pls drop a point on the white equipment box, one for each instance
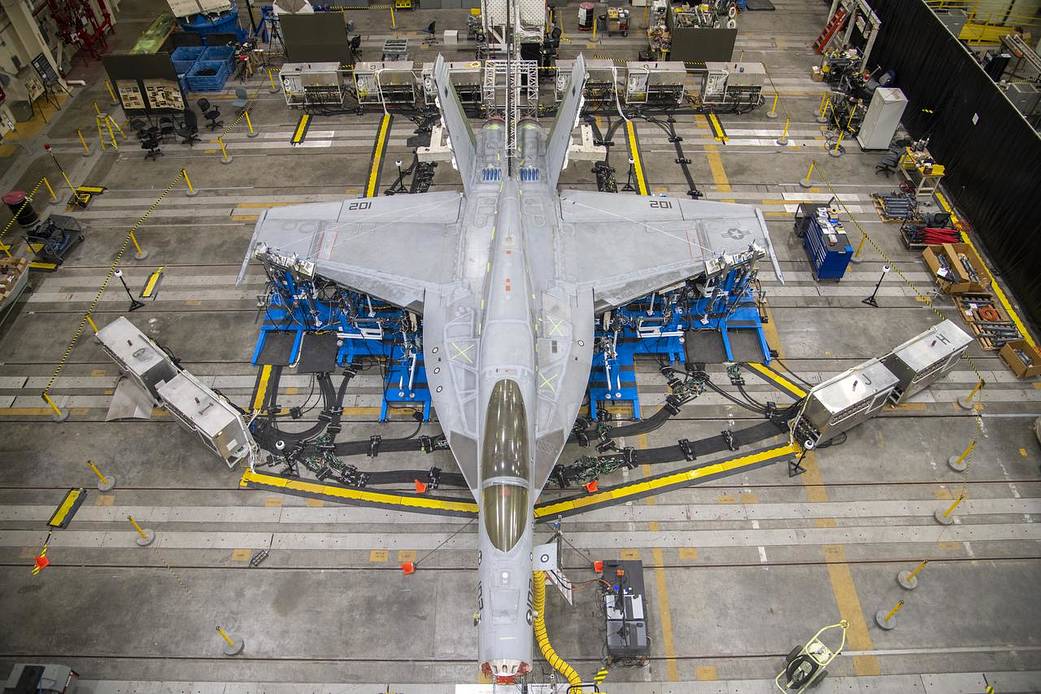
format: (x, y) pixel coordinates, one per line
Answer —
(137, 356)
(219, 425)
(882, 118)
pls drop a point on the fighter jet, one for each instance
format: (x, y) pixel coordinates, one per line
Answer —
(509, 277)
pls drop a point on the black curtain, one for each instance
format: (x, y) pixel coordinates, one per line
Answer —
(991, 154)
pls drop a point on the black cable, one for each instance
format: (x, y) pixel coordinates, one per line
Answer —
(793, 374)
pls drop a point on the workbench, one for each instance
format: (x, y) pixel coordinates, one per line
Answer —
(921, 171)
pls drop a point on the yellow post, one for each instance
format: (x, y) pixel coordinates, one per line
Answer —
(54, 198)
(393, 22)
(271, 78)
(860, 246)
(111, 135)
(772, 113)
(94, 468)
(249, 125)
(90, 321)
(918, 569)
(849, 123)
(820, 109)
(58, 414)
(188, 182)
(783, 139)
(966, 403)
(137, 528)
(75, 195)
(225, 157)
(113, 124)
(950, 509)
(893, 612)
(594, 25)
(97, 109)
(960, 463)
(111, 92)
(83, 141)
(823, 117)
(138, 252)
(224, 635)
(836, 151)
(808, 180)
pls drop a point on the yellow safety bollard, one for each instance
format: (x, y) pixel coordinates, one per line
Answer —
(232, 644)
(837, 150)
(808, 181)
(188, 182)
(113, 124)
(54, 197)
(823, 116)
(968, 402)
(97, 109)
(960, 463)
(857, 257)
(595, 22)
(225, 157)
(58, 415)
(393, 22)
(139, 252)
(145, 536)
(947, 517)
(111, 93)
(271, 78)
(909, 579)
(772, 113)
(90, 321)
(105, 482)
(885, 620)
(83, 141)
(783, 139)
(249, 125)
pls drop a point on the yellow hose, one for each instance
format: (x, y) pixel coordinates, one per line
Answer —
(542, 639)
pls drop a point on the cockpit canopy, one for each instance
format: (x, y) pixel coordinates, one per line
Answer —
(505, 466)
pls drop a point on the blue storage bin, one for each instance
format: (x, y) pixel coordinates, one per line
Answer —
(218, 53)
(183, 66)
(208, 76)
(185, 53)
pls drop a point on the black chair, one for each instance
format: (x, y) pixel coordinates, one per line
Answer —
(210, 113)
(151, 142)
(188, 130)
(355, 46)
(166, 127)
(432, 31)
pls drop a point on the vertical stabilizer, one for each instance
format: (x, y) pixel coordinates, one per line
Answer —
(567, 119)
(464, 147)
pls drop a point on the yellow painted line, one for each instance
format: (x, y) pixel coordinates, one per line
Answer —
(363, 411)
(245, 217)
(241, 554)
(379, 555)
(706, 673)
(105, 500)
(717, 129)
(258, 397)
(845, 590)
(24, 411)
(262, 205)
(629, 554)
(150, 285)
(65, 507)
(402, 502)
(688, 553)
(301, 129)
(634, 152)
(377, 156)
(661, 596)
(406, 555)
(684, 477)
(995, 287)
(773, 375)
(715, 165)
(92, 190)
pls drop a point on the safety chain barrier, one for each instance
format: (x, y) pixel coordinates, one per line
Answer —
(921, 296)
(88, 316)
(28, 199)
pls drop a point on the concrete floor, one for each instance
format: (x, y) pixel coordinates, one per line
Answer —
(738, 571)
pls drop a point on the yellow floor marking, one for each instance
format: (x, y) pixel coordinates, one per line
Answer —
(405, 555)
(949, 546)
(706, 673)
(273, 501)
(912, 406)
(316, 503)
(715, 162)
(105, 500)
(943, 494)
(629, 554)
(361, 410)
(634, 152)
(258, 397)
(291, 390)
(748, 498)
(241, 554)
(1023, 452)
(688, 553)
(262, 205)
(377, 156)
(857, 636)
(726, 499)
(245, 217)
(98, 372)
(24, 411)
(379, 555)
(66, 505)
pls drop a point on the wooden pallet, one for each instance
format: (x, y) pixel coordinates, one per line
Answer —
(880, 209)
(986, 342)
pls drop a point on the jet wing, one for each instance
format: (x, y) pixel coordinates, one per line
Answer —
(392, 248)
(624, 247)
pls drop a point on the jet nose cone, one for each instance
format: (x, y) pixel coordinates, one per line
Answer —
(504, 670)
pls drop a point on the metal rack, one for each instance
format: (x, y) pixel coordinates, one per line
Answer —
(305, 84)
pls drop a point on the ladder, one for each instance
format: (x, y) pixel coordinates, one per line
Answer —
(832, 28)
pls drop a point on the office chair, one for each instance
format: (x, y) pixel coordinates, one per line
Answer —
(151, 143)
(210, 113)
(432, 30)
(355, 46)
(241, 99)
(189, 128)
(166, 127)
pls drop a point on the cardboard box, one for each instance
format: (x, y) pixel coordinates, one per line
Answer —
(959, 281)
(1010, 354)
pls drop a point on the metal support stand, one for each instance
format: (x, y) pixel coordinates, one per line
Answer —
(630, 183)
(134, 303)
(871, 301)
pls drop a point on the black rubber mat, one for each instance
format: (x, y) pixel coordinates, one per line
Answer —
(705, 346)
(745, 345)
(318, 353)
(753, 5)
(278, 348)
